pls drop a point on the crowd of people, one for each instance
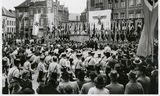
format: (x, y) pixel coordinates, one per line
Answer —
(64, 69)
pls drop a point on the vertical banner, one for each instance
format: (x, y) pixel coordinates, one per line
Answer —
(36, 24)
(50, 21)
(145, 47)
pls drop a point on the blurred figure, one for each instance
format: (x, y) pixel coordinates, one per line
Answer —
(99, 86)
(85, 88)
(133, 87)
(114, 87)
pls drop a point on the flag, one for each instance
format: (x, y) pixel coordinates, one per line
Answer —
(50, 21)
(36, 24)
(150, 18)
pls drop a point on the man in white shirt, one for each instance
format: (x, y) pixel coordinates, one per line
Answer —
(13, 77)
(54, 67)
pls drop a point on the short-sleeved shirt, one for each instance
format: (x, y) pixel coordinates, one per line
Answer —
(41, 67)
(95, 90)
(27, 66)
(13, 72)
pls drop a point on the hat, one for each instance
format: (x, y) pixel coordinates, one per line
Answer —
(79, 54)
(114, 74)
(63, 54)
(42, 57)
(29, 55)
(92, 53)
(137, 61)
(132, 74)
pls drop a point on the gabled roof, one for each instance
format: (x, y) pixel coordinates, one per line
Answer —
(5, 12)
(24, 4)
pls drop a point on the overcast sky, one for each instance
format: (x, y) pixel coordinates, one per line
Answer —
(75, 6)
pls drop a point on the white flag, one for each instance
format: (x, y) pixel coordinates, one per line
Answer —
(50, 21)
(36, 24)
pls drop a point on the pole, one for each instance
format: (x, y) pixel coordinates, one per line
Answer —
(153, 36)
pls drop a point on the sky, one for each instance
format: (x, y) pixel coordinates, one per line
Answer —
(74, 6)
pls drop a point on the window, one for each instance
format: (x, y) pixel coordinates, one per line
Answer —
(138, 14)
(131, 14)
(131, 3)
(31, 11)
(122, 15)
(42, 10)
(7, 22)
(138, 2)
(93, 2)
(115, 15)
(39, 10)
(7, 29)
(122, 3)
(31, 22)
(41, 22)
(109, 1)
(116, 3)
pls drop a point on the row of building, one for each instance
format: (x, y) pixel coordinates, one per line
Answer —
(43, 7)
(8, 24)
(121, 9)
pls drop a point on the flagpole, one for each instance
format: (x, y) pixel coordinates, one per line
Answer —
(153, 37)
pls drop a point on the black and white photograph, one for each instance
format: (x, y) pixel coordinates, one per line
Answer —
(79, 47)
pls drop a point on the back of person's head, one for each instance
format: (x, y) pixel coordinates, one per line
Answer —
(132, 75)
(142, 69)
(65, 76)
(107, 70)
(92, 75)
(81, 75)
(54, 58)
(113, 75)
(100, 82)
(17, 62)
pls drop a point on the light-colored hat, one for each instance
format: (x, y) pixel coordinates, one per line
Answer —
(137, 61)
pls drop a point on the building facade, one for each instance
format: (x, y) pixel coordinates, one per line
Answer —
(43, 7)
(121, 9)
(8, 24)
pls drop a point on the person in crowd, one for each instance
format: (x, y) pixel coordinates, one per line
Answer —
(27, 66)
(78, 64)
(99, 86)
(86, 86)
(13, 77)
(81, 78)
(41, 69)
(66, 83)
(144, 80)
(63, 60)
(54, 67)
(154, 82)
(26, 84)
(133, 87)
(48, 59)
(114, 87)
(50, 87)
(91, 63)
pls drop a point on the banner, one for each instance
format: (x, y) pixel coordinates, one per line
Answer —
(98, 18)
(50, 21)
(145, 47)
(36, 24)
